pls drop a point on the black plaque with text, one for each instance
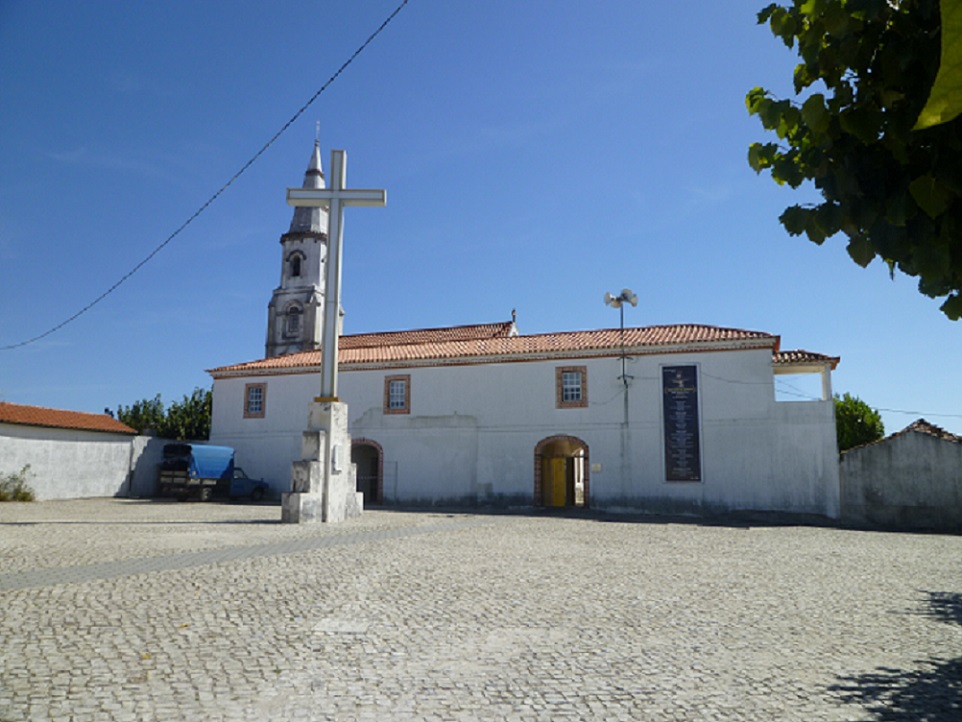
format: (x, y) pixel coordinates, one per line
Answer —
(680, 398)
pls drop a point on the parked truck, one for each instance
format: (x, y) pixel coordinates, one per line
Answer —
(202, 472)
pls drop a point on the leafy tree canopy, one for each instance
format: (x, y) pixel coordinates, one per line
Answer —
(867, 68)
(186, 420)
(945, 100)
(856, 422)
(145, 415)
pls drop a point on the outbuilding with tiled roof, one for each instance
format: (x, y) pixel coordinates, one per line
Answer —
(61, 419)
(72, 454)
(910, 480)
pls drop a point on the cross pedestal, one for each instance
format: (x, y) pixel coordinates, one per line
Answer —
(323, 483)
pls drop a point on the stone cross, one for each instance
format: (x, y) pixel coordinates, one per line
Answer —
(334, 198)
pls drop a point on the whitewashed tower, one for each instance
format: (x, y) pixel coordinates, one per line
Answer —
(296, 311)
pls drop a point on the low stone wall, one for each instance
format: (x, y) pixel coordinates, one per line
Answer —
(74, 464)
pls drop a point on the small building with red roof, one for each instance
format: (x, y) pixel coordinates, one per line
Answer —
(70, 454)
(39, 416)
(910, 480)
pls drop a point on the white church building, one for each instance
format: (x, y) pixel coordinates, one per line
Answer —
(679, 418)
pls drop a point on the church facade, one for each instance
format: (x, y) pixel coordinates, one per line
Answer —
(664, 418)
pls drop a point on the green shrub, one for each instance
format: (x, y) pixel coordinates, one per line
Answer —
(14, 487)
(856, 422)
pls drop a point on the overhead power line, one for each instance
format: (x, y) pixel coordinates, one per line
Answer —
(217, 194)
(920, 414)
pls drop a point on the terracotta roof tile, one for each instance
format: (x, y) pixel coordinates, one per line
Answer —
(920, 426)
(433, 345)
(60, 419)
(800, 356)
(427, 335)
(924, 427)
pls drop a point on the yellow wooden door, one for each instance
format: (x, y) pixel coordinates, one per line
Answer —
(554, 481)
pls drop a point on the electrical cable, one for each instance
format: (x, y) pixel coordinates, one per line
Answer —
(802, 395)
(216, 195)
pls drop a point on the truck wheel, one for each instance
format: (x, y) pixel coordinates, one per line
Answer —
(257, 494)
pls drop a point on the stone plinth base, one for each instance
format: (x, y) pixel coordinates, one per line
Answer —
(298, 508)
(324, 482)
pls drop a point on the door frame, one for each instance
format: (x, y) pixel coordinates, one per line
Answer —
(539, 457)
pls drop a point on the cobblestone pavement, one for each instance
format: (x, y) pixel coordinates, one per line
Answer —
(135, 610)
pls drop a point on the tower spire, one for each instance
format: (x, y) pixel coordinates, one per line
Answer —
(312, 220)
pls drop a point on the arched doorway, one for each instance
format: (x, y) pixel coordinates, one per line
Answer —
(368, 456)
(561, 477)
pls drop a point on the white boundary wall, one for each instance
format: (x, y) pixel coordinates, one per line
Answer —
(74, 464)
(910, 480)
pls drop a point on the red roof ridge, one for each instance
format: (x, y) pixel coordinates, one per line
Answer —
(498, 329)
(449, 348)
(920, 426)
(60, 419)
(925, 427)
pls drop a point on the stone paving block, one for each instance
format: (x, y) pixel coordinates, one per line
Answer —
(118, 610)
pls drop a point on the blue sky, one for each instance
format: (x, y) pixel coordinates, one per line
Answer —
(535, 155)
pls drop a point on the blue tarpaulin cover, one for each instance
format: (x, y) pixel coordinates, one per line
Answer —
(201, 461)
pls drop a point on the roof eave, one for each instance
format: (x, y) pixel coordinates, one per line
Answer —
(765, 343)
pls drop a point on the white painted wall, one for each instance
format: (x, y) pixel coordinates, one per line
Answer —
(907, 481)
(472, 432)
(73, 464)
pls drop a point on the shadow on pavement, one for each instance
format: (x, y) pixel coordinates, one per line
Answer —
(930, 693)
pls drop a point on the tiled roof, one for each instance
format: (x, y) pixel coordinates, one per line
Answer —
(924, 427)
(60, 419)
(920, 426)
(427, 335)
(802, 357)
(433, 347)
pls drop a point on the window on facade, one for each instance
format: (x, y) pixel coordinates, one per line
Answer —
(295, 265)
(571, 387)
(293, 327)
(255, 398)
(397, 395)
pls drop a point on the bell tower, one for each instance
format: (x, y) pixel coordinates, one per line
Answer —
(296, 311)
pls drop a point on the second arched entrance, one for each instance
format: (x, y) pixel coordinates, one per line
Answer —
(368, 457)
(561, 476)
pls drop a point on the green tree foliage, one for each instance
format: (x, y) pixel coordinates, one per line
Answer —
(866, 71)
(190, 418)
(856, 422)
(945, 100)
(186, 420)
(146, 415)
